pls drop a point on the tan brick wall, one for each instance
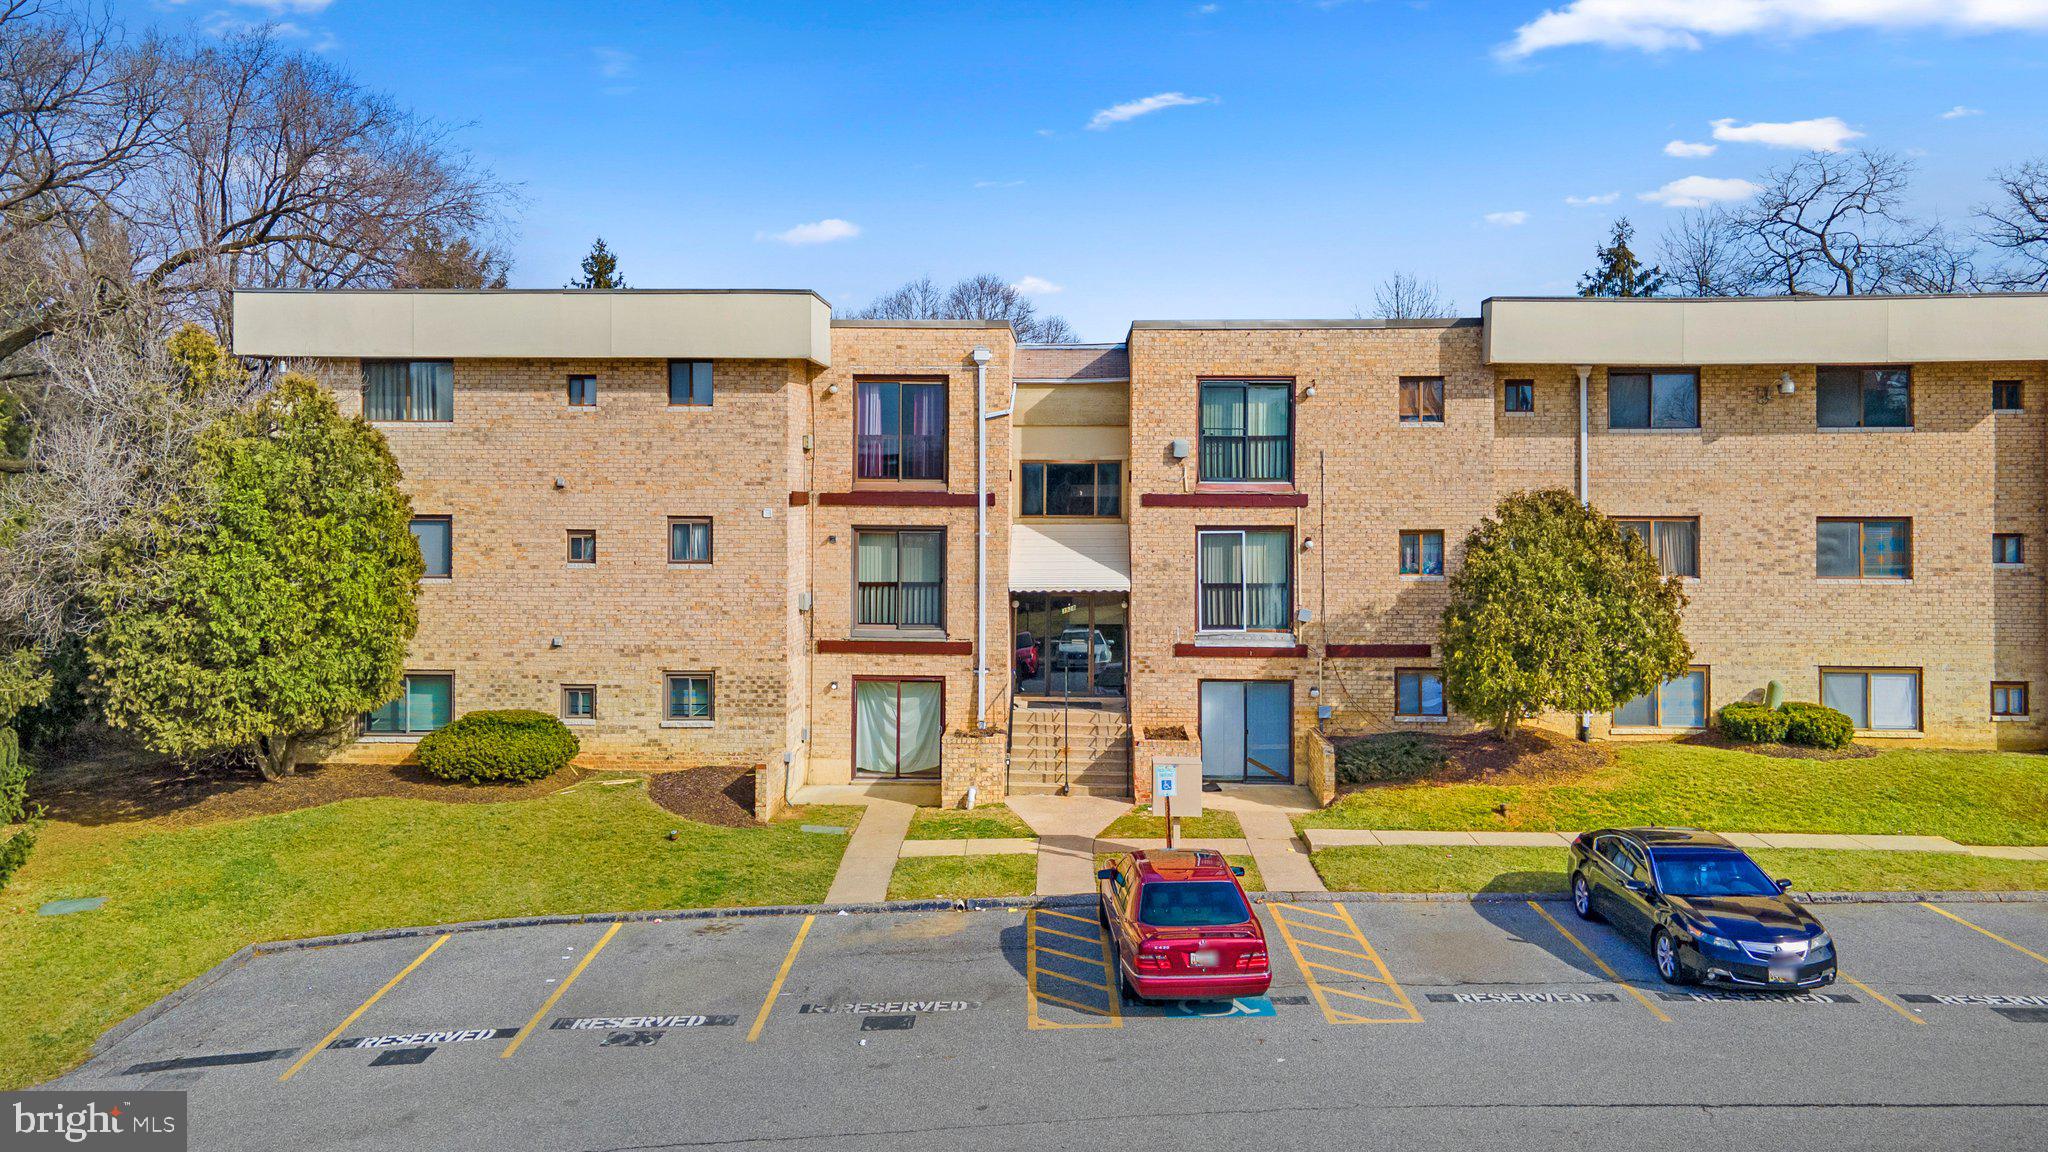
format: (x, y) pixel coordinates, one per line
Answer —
(863, 352)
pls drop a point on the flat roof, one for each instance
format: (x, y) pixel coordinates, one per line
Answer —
(1259, 325)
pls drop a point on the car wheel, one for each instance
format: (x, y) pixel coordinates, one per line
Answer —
(1102, 915)
(1582, 898)
(1124, 991)
(1664, 950)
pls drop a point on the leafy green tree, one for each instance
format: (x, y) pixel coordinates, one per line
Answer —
(600, 269)
(1554, 609)
(274, 605)
(1617, 271)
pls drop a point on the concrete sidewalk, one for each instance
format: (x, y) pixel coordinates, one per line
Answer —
(1066, 827)
(870, 858)
(1321, 838)
(1266, 812)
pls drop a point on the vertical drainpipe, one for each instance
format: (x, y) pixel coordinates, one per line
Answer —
(1585, 372)
(982, 415)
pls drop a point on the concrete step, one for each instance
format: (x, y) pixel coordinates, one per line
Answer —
(1113, 792)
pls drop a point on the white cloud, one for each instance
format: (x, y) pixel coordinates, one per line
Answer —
(1132, 109)
(1662, 25)
(820, 232)
(1826, 134)
(1958, 112)
(1506, 219)
(1687, 150)
(1207, 9)
(1700, 191)
(1589, 201)
(1036, 286)
(613, 63)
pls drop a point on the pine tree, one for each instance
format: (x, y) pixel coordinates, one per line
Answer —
(1617, 271)
(600, 269)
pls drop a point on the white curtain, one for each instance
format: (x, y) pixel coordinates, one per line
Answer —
(1843, 691)
(874, 746)
(918, 727)
(1267, 558)
(1678, 547)
(1895, 700)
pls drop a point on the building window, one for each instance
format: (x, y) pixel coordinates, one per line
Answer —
(900, 430)
(1418, 694)
(1247, 431)
(1680, 702)
(1073, 489)
(409, 390)
(1519, 396)
(579, 702)
(689, 383)
(1865, 549)
(423, 704)
(1674, 543)
(1422, 553)
(582, 546)
(898, 726)
(1422, 399)
(1865, 398)
(2008, 548)
(2008, 396)
(688, 696)
(436, 537)
(901, 577)
(1874, 699)
(582, 391)
(2008, 698)
(1246, 580)
(1653, 400)
(689, 540)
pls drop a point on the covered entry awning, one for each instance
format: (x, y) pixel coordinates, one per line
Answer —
(1070, 557)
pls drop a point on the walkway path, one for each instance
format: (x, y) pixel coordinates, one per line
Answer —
(1066, 827)
(1267, 811)
(1321, 838)
(863, 876)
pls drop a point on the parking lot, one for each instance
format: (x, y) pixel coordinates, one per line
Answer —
(1443, 1024)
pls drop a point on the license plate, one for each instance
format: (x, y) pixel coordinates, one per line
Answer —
(1784, 976)
(1206, 958)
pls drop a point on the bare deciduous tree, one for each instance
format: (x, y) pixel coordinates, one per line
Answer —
(2018, 224)
(1702, 254)
(1406, 296)
(1834, 224)
(983, 297)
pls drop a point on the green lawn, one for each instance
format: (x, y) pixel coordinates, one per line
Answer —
(987, 822)
(964, 877)
(1432, 869)
(1969, 797)
(182, 898)
(1140, 824)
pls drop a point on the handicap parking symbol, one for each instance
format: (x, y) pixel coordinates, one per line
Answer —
(1216, 1009)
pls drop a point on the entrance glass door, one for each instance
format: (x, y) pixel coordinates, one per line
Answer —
(897, 726)
(1070, 645)
(1248, 730)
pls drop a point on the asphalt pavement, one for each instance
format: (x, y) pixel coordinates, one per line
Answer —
(1389, 1025)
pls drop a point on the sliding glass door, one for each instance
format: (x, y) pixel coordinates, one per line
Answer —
(897, 725)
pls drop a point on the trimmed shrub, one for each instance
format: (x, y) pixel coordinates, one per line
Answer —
(510, 745)
(1816, 726)
(13, 806)
(1752, 723)
(1381, 759)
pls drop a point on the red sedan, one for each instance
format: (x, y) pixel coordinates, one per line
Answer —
(1181, 928)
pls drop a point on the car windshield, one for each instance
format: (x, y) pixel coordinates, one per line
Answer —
(1192, 904)
(1710, 872)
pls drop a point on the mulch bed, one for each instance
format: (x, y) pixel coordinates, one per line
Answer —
(720, 796)
(1713, 739)
(1479, 757)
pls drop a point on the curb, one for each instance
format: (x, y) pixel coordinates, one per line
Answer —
(249, 952)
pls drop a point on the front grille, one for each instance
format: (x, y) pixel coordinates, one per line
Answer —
(1776, 951)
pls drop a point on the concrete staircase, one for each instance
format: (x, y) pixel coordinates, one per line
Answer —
(1097, 744)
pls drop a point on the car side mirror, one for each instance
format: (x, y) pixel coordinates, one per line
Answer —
(1784, 885)
(1637, 887)
(1105, 874)
(1236, 871)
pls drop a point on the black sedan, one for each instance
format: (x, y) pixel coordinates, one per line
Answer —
(1707, 913)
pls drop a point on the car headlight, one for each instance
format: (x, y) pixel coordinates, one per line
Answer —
(1709, 940)
(1820, 943)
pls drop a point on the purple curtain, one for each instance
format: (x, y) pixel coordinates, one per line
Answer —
(924, 450)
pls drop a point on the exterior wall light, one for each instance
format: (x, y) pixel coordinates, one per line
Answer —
(1786, 385)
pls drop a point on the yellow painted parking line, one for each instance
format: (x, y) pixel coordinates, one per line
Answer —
(1986, 931)
(559, 989)
(781, 974)
(364, 1007)
(1328, 995)
(1112, 1017)
(1881, 998)
(1606, 971)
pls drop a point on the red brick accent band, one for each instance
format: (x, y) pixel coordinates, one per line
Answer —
(799, 499)
(1370, 651)
(1248, 653)
(902, 499)
(1223, 499)
(896, 647)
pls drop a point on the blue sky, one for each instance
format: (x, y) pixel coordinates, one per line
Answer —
(1259, 158)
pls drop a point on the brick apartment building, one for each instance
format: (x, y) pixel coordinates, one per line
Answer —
(723, 528)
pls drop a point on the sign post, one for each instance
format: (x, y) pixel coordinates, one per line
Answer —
(1169, 799)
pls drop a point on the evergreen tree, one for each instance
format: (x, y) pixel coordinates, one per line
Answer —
(1617, 271)
(600, 269)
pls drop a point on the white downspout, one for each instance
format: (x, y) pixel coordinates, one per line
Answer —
(1585, 372)
(982, 415)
